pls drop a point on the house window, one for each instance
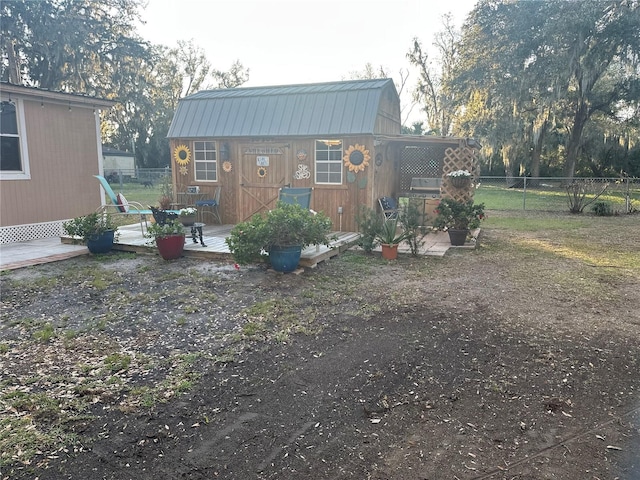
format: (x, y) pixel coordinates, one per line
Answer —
(206, 161)
(13, 158)
(329, 161)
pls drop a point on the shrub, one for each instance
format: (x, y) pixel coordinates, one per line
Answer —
(90, 226)
(602, 209)
(410, 218)
(457, 215)
(369, 226)
(286, 225)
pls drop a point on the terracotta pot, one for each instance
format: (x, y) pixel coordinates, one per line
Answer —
(171, 246)
(457, 237)
(389, 252)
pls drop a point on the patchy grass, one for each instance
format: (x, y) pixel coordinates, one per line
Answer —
(90, 335)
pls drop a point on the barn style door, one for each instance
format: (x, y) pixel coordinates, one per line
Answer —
(264, 170)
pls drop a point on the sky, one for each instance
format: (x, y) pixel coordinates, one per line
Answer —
(284, 42)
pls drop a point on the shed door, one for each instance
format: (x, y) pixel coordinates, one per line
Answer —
(263, 172)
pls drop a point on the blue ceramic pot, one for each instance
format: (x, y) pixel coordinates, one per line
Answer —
(101, 243)
(285, 259)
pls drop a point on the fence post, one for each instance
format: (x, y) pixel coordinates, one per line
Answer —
(524, 193)
(627, 198)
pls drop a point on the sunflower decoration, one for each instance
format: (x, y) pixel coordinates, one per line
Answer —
(227, 167)
(182, 155)
(356, 158)
(183, 170)
(262, 172)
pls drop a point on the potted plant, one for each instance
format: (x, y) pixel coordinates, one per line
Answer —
(98, 231)
(187, 216)
(168, 237)
(460, 178)
(390, 238)
(281, 234)
(458, 217)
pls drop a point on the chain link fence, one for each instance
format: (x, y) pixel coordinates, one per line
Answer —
(143, 176)
(555, 194)
(552, 194)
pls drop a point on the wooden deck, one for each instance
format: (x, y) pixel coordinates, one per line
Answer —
(131, 240)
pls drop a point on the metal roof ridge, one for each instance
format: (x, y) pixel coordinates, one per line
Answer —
(380, 81)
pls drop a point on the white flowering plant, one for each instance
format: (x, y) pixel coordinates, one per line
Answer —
(460, 173)
(186, 212)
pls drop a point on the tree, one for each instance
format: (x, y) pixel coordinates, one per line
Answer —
(432, 90)
(69, 45)
(552, 64)
(90, 47)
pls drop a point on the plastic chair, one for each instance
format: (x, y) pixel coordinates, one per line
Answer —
(301, 196)
(210, 206)
(121, 206)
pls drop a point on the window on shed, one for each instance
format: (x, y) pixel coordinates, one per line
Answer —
(12, 163)
(329, 161)
(206, 161)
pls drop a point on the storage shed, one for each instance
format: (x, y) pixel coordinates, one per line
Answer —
(340, 138)
(116, 162)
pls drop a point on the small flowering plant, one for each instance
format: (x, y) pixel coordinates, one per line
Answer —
(458, 215)
(460, 174)
(187, 212)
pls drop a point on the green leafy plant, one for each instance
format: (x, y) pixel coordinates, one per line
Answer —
(156, 230)
(410, 219)
(389, 234)
(457, 215)
(602, 209)
(369, 225)
(286, 225)
(90, 226)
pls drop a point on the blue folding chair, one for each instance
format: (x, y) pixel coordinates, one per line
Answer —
(210, 206)
(301, 196)
(389, 208)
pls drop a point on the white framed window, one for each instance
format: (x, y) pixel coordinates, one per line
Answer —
(329, 162)
(205, 157)
(14, 158)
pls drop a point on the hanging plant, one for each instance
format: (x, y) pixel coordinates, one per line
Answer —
(182, 155)
(356, 158)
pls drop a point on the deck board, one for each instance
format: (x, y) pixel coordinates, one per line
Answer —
(214, 236)
(131, 240)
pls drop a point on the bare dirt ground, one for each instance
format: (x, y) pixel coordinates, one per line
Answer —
(518, 360)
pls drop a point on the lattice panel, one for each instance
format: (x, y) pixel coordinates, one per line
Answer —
(22, 233)
(420, 162)
(462, 158)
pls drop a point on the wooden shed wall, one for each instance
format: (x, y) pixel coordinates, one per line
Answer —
(388, 121)
(244, 192)
(63, 156)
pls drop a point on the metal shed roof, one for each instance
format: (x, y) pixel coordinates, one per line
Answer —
(336, 108)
